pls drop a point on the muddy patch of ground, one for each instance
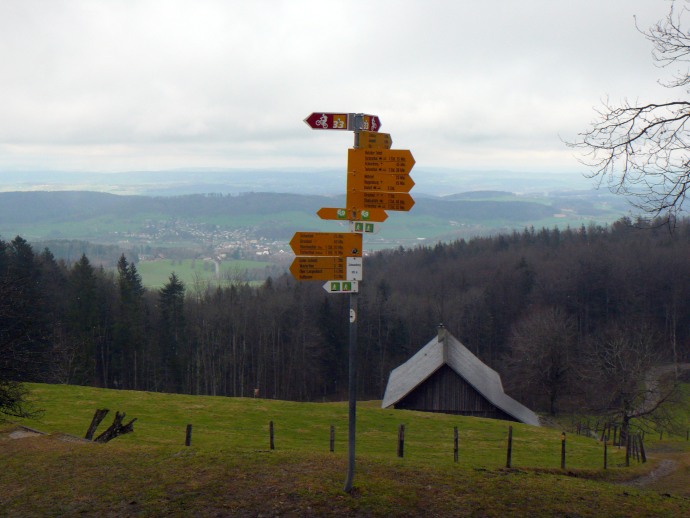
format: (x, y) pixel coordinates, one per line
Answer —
(665, 468)
(23, 432)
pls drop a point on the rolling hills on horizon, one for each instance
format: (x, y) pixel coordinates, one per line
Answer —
(432, 181)
(108, 218)
(246, 235)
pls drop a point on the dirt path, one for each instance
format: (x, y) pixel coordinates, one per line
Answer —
(665, 468)
(671, 476)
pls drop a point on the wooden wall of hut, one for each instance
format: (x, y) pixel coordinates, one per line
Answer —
(446, 392)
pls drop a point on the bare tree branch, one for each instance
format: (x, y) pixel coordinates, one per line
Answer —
(641, 150)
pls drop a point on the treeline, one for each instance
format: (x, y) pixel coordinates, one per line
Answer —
(549, 309)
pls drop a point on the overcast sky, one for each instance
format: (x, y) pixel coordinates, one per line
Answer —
(103, 86)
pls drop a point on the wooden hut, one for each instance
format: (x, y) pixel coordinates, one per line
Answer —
(444, 376)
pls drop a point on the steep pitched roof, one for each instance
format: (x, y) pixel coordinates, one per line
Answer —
(445, 349)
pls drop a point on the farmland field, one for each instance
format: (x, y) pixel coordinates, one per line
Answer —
(155, 274)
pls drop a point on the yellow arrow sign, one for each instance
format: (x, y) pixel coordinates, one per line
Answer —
(374, 140)
(340, 244)
(319, 268)
(343, 214)
(392, 161)
(383, 182)
(380, 200)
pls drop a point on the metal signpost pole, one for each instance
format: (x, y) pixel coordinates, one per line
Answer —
(352, 390)
(377, 180)
(352, 365)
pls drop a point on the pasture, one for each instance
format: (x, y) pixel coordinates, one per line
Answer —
(230, 469)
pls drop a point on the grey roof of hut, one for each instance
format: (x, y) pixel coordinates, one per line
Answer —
(445, 349)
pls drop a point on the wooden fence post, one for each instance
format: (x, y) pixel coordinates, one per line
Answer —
(332, 441)
(509, 457)
(270, 433)
(605, 455)
(455, 444)
(401, 440)
(188, 436)
(563, 450)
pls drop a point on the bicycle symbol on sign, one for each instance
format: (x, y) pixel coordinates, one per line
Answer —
(323, 121)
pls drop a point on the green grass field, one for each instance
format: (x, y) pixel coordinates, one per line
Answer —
(230, 469)
(155, 274)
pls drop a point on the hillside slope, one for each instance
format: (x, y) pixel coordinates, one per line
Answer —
(229, 469)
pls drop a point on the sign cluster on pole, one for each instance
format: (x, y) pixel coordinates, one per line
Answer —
(327, 256)
(378, 180)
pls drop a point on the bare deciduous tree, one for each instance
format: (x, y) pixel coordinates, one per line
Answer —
(539, 361)
(620, 369)
(642, 150)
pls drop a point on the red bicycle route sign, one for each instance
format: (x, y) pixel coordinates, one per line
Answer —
(343, 121)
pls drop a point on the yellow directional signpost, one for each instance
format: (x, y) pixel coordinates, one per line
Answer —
(375, 140)
(339, 244)
(394, 161)
(377, 180)
(319, 268)
(401, 201)
(343, 214)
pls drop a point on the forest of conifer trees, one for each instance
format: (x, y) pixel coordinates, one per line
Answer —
(549, 309)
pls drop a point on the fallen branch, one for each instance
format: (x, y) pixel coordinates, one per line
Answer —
(97, 418)
(115, 430)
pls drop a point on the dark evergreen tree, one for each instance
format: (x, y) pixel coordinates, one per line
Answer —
(23, 326)
(129, 340)
(173, 353)
(85, 305)
(23, 318)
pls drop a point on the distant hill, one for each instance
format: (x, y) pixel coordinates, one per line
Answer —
(60, 206)
(193, 220)
(319, 181)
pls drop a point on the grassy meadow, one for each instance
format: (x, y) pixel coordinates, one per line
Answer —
(230, 470)
(155, 274)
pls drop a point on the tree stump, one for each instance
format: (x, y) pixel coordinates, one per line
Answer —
(97, 418)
